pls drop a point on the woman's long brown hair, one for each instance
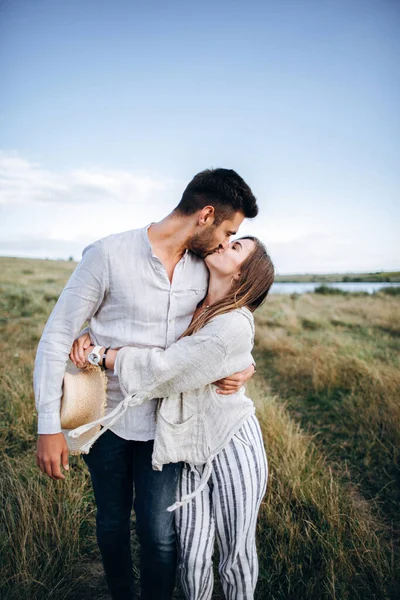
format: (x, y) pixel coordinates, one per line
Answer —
(257, 274)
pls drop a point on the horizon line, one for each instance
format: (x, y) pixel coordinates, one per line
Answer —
(356, 272)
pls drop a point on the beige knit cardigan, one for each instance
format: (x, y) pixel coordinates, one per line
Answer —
(193, 422)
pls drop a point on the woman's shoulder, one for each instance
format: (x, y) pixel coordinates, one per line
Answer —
(237, 321)
(237, 315)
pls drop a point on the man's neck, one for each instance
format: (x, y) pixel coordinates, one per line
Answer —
(169, 237)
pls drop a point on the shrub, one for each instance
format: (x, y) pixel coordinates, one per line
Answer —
(327, 290)
(390, 291)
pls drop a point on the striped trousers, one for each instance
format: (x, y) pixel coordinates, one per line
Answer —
(227, 508)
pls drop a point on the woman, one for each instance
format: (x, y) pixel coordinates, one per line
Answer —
(218, 437)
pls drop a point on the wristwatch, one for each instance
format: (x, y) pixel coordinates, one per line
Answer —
(95, 357)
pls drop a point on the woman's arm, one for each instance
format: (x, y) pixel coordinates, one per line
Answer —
(220, 348)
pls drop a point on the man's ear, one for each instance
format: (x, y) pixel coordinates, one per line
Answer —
(206, 215)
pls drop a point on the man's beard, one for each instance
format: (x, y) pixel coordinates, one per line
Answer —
(200, 244)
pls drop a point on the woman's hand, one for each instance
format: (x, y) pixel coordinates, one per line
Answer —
(77, 354)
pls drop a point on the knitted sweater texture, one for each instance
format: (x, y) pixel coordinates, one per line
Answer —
(193, 422)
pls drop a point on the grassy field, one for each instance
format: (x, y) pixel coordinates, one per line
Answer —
(327, 396)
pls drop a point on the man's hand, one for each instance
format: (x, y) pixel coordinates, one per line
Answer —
(51, 450)
(232, 384)
(77, 354)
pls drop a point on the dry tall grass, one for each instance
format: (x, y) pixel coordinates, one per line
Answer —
(336, 361)
(317, 536)
(46, 529)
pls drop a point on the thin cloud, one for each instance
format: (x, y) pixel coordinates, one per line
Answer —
(26, 182)
(52, 214)
(46, 213)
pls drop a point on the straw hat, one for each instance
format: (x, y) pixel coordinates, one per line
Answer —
(83, 401)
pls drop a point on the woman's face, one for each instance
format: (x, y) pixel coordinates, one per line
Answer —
(227, 262)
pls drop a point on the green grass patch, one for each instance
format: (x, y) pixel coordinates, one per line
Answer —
(390, 291)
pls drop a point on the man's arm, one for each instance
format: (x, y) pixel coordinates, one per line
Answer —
(233, 383)
(79, 301)
(82, 343)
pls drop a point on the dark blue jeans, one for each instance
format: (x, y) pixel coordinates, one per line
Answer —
(118, 466)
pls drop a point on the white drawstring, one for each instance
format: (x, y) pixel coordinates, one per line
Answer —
(203, 482)
(107, 421)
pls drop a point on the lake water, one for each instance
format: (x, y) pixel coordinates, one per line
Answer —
(302, 288)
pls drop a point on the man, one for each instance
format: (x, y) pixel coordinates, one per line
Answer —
(139, 288)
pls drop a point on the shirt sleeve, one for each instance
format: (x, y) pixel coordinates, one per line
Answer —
(221, 348)
(79, 301)
(83, 332)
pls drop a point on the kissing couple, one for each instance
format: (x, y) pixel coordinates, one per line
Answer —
(170, 320)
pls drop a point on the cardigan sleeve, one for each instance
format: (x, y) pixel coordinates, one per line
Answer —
(221, 348)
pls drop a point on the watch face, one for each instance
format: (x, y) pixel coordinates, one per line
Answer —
(93, 358)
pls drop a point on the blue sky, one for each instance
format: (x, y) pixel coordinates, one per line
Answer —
(108, 108)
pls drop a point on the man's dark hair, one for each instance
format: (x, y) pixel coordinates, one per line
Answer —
(223, 189)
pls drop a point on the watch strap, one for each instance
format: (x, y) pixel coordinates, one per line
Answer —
(103, 362)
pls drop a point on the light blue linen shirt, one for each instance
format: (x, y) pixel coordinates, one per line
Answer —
(123, 290)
